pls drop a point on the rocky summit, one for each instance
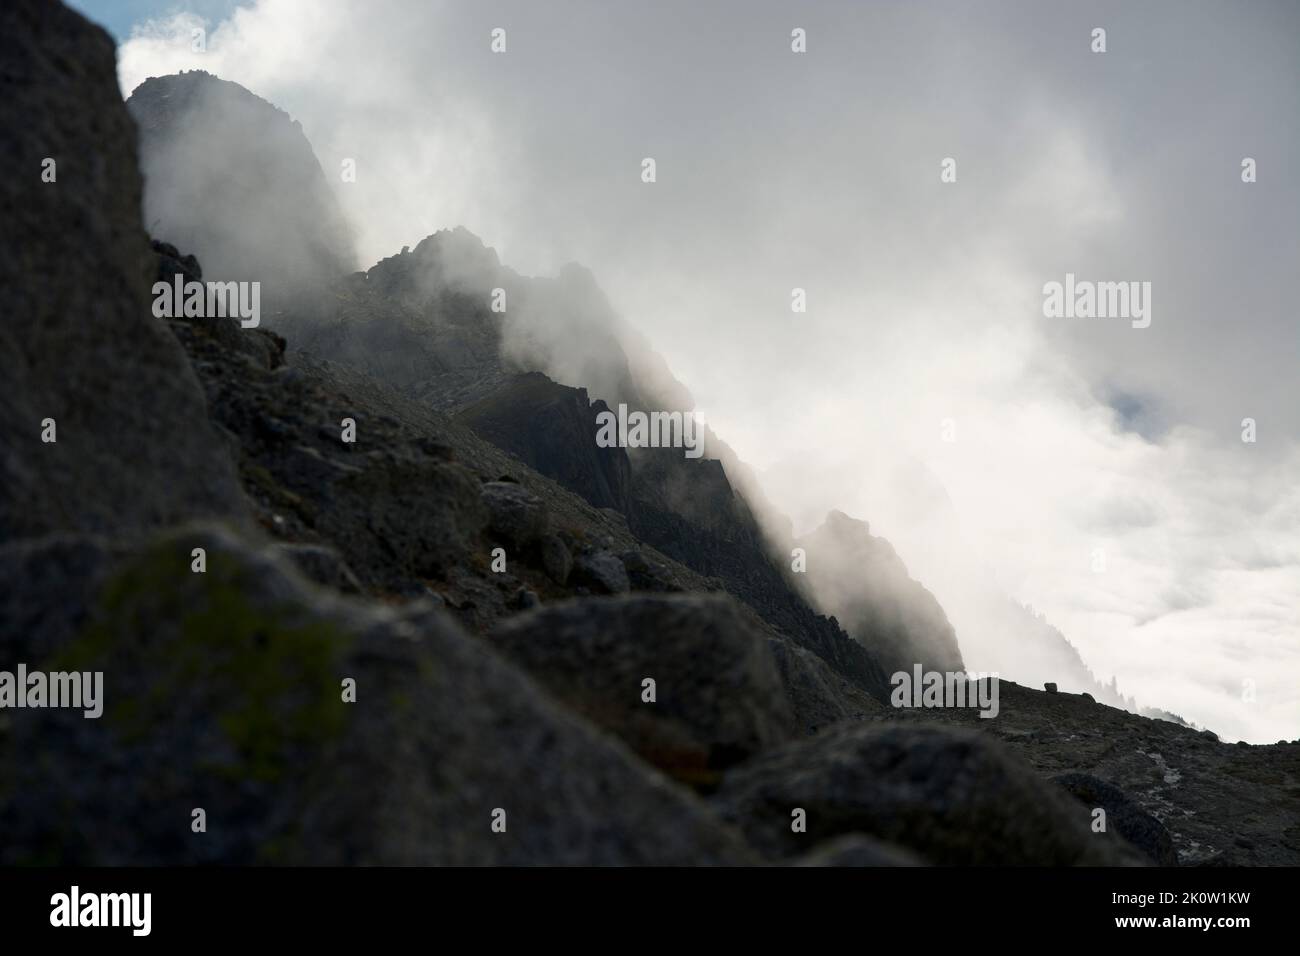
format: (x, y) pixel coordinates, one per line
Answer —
(363, 587)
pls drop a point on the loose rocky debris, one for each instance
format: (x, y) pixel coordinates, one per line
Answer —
(1130, 821)
(953, 797)
(1221, 804)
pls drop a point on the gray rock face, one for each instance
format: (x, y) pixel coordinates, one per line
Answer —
(953, 797)
(222, 690)
(394, 504)
(78, 341)
(553, 429)
(719, 697)
(601, 571)
(172, 262)
(1128, 819)
(556, 559)
(515, 515)
(644, 574)
(402, 506)
(819, 696)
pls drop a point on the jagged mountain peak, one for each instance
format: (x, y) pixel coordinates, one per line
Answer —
(171, 96)
(233, 179)
(841, 525)
(861, 580)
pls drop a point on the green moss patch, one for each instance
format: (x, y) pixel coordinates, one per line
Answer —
(184, 648)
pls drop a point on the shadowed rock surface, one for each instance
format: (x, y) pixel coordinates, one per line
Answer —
(819, 695)
(78, 341)
(531, 381)
(1130, 821)
(1221, 803)
(232, 677)
(952, 797)
(552, 429)
(718, 696)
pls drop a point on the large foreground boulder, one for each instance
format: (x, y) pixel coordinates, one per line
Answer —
(718, 697)
(82, 358)
(227, 690)
(951, 796)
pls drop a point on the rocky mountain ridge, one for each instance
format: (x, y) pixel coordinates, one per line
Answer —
(236, 562)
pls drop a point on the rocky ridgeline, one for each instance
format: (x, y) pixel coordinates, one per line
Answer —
(421, 646)
(531, 379)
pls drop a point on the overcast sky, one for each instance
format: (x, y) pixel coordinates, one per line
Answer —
(821, 170)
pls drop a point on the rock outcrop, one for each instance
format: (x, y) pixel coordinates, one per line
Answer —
(422, 322)
(952, 797)
(715, 697)
(1130, 821)
(552, 430)
(228, 691)
(102, 421)
(1221, 804)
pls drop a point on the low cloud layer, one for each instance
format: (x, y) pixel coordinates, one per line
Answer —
(1086, 467)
